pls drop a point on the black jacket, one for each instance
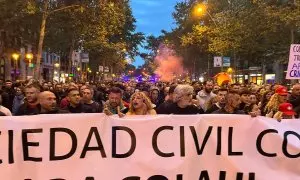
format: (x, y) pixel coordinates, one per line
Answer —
(161, 109)
(175, 109)
(27, 109)
(8, 96)
(212, 109)
(56, 111)
(93, 108)
(78, 109)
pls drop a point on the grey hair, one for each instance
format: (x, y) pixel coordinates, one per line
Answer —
(182, 90)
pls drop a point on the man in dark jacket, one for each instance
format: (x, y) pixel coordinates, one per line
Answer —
(31, 105)
(244, 97)
(221, 94)
(89, 105)
(59, 93)
(233, 101)
(75, 106)
(8, 95)
(48, 104)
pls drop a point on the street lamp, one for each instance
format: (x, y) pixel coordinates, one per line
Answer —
(29, 57)
(200, 10)
(15, 57)
(57, 65)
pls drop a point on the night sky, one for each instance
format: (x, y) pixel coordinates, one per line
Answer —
(152, 16)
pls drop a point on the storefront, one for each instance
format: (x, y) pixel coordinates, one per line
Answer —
(256, 78)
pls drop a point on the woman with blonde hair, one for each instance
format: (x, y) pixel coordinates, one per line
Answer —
(276, 99)
(140, 104)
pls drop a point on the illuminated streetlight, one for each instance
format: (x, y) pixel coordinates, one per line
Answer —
(29, 56)
(78, 69)
(200, 10)
(15, 56)
(56, 65)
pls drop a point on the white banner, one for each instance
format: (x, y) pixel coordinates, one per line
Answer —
(97, 147)
(293, 71)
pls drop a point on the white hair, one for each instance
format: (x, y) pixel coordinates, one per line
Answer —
(182, 90)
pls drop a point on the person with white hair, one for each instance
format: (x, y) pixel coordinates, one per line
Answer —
(183, 102)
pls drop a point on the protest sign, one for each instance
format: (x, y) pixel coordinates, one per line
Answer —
(293, 71)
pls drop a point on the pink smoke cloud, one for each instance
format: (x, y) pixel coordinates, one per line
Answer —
(169, 65)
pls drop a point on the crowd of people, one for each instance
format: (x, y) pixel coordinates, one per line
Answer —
(149, 98)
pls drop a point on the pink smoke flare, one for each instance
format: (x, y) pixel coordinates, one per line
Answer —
(169, 65)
